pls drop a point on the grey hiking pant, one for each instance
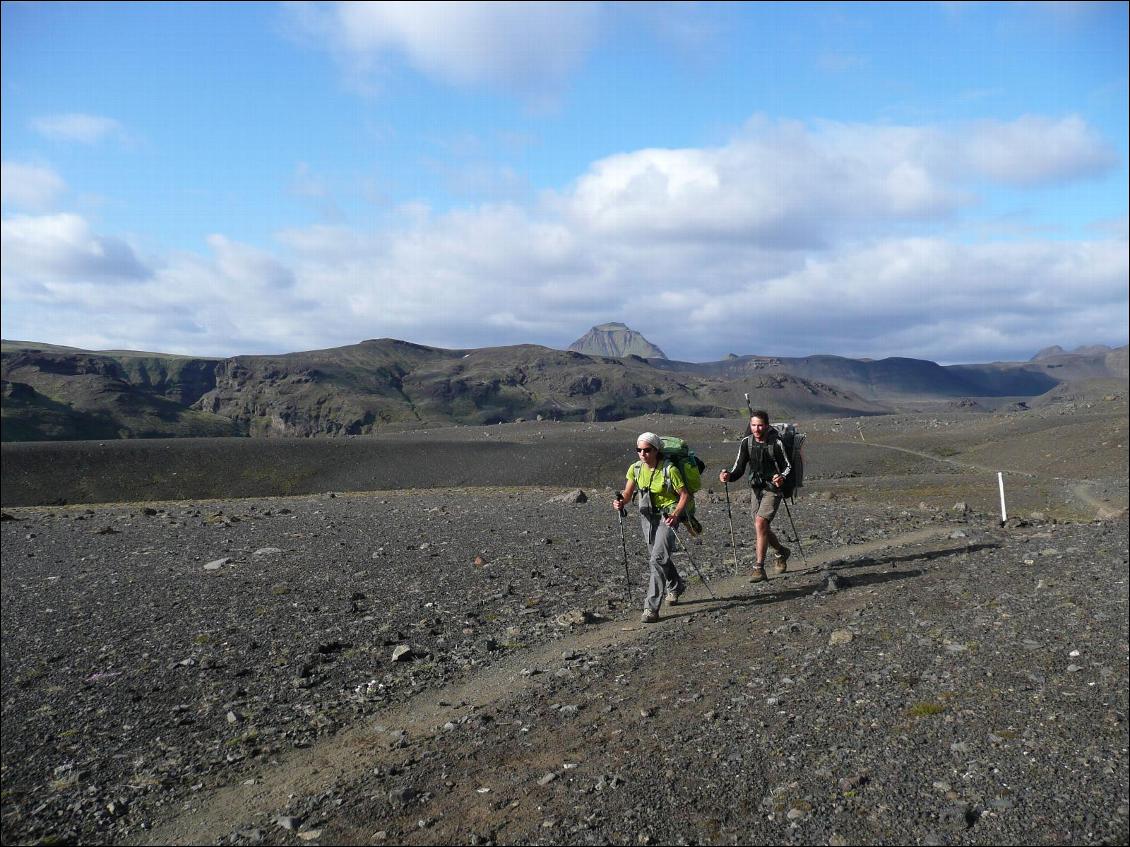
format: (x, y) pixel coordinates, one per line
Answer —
(660, 540)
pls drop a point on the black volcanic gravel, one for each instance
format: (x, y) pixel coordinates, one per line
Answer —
(135, 677)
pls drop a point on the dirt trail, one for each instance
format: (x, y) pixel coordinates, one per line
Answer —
(372, 742)
(949, 461)
(1081, 490)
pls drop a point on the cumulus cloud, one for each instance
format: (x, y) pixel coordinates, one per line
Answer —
(1036, 150)
(75, 126)
(248, 267)
(60, 250)
(938, 299)
(790, 239)
(778, 184)
(526, 48)
(32, 188)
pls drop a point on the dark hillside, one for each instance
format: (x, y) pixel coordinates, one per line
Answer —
(885, 380)
(57, 394)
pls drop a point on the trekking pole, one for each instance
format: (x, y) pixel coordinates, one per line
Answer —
(693, 565)
(796, 534)
(730, 518)
(624, 547)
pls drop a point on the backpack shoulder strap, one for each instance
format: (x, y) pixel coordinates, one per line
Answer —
(636, 472)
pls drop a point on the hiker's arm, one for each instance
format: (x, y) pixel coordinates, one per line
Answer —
(624, 496)
(677, 513)
(739, 465)
(782, 462)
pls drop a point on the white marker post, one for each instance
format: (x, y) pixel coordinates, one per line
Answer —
(1004, 513)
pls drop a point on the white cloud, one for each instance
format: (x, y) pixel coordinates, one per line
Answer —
(1036, 150)
(527, 48)
(941, 300)
(779, 184)
(85, 129)
(787, 184)
(61, 250)
(249, 268)
(32, 188)
(790, 239)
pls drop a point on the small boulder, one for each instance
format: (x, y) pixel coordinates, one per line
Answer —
(574, 496)
(577, 617)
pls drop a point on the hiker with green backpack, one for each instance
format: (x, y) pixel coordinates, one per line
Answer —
(769, 469)
(663, 496)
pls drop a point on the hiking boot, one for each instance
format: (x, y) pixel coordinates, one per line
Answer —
(758, 574)
(649, 616)
(674, 594)
(781, 563)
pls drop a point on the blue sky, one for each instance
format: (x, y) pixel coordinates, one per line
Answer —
(937, 180)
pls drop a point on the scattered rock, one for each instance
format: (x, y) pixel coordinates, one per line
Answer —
(402, 653)
(574, 496)
(403, 796)
(577, 617)
(832, 582)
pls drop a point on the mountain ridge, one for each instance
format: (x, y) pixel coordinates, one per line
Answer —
(55, 393)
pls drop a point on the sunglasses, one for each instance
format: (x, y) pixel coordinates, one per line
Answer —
(645, 449)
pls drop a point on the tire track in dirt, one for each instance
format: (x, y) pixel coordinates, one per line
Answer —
(373, 741)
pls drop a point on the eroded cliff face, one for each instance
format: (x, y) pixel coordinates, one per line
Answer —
(183, 381)
(298, 396)
(55, 394)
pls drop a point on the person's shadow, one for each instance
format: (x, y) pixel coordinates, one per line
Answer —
(862, 580)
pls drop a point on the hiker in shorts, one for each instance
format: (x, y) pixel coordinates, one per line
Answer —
(768, 466)
(663, 498)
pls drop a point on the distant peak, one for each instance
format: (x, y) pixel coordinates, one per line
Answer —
(615, 340)
(1082, 350)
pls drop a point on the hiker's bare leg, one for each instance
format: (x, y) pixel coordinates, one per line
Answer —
(765, 537)
(763, 532)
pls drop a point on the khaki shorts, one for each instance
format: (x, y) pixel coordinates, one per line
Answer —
(768, 504)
